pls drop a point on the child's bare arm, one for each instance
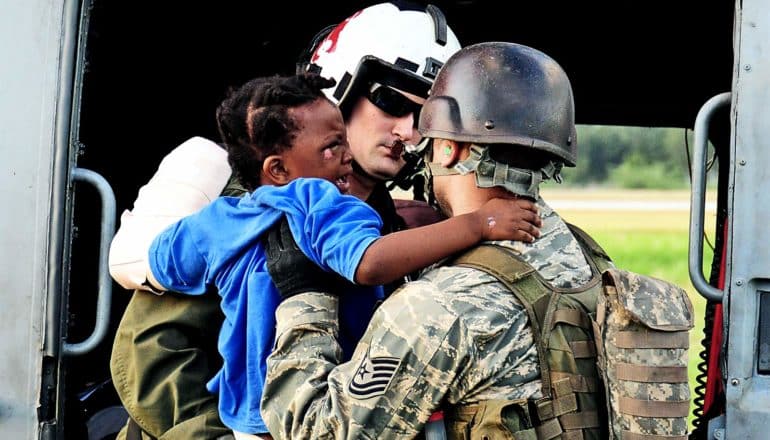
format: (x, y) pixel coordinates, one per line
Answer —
(395, 255)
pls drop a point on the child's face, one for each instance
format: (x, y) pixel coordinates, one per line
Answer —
(320, 148)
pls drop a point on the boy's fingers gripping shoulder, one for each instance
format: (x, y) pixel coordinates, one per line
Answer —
(526, 204)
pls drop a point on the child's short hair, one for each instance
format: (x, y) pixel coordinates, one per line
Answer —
(254, 122)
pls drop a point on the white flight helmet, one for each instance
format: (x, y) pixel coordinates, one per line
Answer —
(395, 44)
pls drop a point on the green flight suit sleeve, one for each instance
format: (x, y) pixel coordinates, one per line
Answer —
(162, 356)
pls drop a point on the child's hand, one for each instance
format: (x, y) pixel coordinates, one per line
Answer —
(509, 219)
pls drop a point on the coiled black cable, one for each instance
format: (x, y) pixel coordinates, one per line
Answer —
(700, 420)
(699, 431)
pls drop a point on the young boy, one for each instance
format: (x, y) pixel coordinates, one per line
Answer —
(277, 130)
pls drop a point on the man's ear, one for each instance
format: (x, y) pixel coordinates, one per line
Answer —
(274, 170)
(448, 152)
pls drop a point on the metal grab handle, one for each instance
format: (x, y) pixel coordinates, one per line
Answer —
(104, 300)
(698, 197)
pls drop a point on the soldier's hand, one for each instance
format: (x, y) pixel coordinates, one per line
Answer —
(509, 219)
(291, 270)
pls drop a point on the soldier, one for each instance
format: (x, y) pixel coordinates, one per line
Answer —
(499, 338)
(289, 148)
(384, 59)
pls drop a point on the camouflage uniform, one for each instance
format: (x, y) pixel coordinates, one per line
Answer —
(457, 336)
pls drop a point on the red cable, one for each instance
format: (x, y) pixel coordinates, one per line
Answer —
(714, 385)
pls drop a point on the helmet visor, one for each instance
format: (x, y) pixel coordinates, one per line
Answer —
(393, 102)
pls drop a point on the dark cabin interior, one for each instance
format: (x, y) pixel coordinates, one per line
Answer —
(155, 72)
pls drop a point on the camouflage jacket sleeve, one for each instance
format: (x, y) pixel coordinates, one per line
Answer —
(455, 336)
(389, 388)
(306, 351)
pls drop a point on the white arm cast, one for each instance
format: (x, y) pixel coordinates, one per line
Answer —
(188, 178)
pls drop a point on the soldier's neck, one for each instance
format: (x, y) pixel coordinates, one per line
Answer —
(360, 186)
(468, 198)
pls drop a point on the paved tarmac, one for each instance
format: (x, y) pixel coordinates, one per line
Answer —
(624, 205)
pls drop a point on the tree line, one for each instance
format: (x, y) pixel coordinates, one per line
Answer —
(631, 157)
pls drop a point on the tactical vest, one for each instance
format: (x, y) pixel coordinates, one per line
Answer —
(573, 405)
(642, 339)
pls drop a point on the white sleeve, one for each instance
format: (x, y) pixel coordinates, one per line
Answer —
(187, 179)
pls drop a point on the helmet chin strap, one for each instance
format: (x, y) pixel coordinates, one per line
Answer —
(490, 173)
(427, 173)
(436, 169)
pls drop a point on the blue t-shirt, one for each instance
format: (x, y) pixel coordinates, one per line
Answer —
(221, 246)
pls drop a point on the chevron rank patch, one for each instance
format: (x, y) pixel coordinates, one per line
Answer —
(373, 376)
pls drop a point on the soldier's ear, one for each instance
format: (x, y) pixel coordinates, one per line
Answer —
(274, 170)
(449, 152)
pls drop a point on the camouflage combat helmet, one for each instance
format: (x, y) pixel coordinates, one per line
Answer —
(503, 93)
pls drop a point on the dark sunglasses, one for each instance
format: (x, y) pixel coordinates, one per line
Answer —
(393, 103)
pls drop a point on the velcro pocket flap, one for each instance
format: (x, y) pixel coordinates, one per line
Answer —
(654, 303)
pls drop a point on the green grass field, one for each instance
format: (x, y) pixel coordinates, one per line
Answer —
(652, 242)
